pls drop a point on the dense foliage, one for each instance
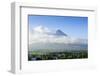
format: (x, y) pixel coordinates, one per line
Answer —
(34, 55)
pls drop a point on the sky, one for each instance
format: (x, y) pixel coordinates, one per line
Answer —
(73, 26)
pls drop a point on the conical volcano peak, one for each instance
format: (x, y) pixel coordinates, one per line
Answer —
(60, 33)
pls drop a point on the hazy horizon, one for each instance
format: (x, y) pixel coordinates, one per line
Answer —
(53, 37)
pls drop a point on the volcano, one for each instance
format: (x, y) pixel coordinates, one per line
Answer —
(60, 33)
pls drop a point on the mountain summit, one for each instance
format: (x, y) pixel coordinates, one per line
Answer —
(60, 33)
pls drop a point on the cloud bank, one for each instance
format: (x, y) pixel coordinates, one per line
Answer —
(42, 34)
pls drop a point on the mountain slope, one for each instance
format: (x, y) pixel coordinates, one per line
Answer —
(60, 33)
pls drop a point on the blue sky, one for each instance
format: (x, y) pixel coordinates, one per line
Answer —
(73, 26)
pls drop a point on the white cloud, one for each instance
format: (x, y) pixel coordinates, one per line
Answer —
(42, 34)
(40, 29)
